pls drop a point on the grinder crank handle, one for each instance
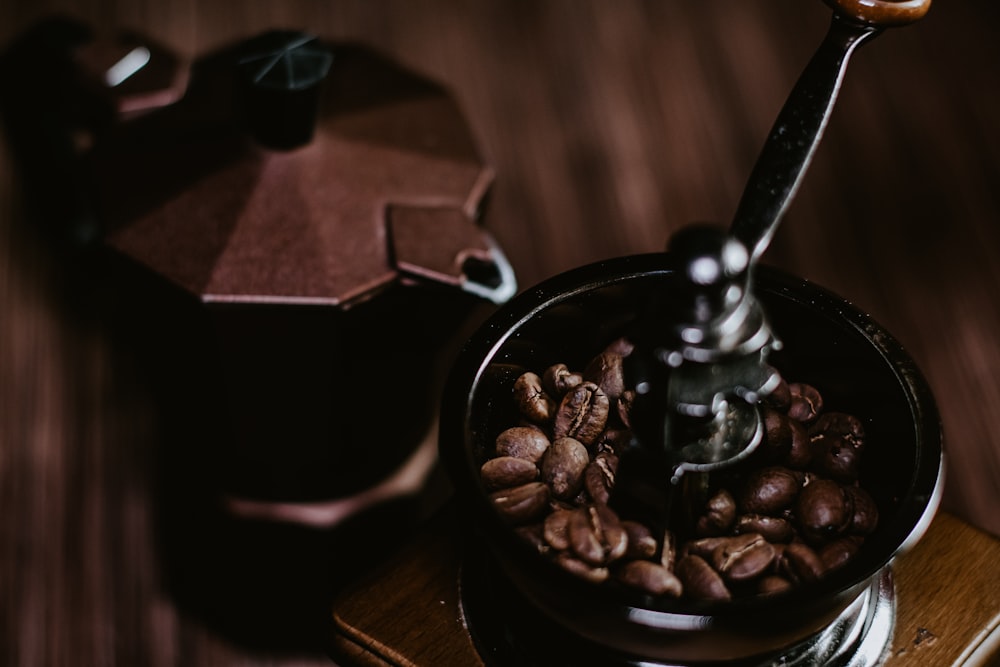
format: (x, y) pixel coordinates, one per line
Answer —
(800, 124)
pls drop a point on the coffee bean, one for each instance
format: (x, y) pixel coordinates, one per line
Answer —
(770, 491)
(522, 442)
(841, 424)
(521, 504)
(624, 407)
(838, 553)
(720, 512)
(773, 584)
(581, 568)
(823, 510)
(555, 529)
(620, 346)
(704, 547)
(641, 543)
(865, 517)
(557, 505)
(613, 440)
(563, 466)
(801, 563)
(557, 380)
(772, 528)
(596, 535)
(605, 370)
(836, 457)
(806, 402)
(531, 400)
(743, 557)
(582, 414)
(777, 436)
(599, 477)
(506, 471)
(700, 581)
(650, 578)
(800, 452)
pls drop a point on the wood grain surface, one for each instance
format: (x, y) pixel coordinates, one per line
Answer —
(946, 603)
(610, 125)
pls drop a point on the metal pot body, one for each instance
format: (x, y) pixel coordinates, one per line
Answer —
(321, 402)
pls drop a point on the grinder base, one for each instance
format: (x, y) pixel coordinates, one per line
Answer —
(508, 632)
(409, 611)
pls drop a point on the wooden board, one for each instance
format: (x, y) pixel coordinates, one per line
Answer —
(408, 613)
(949, 599)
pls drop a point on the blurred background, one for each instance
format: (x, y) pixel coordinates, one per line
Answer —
(609, 126)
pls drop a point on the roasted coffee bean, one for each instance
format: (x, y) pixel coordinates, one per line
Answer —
(558, 379)
(806, 402)
(506, 471)
(743, 557)
(555, 529)
(823, 510)
(531, 400)
(613, 440)
(773, 584)
(522, 442)
(720, 512)
(837, 458)
(605, 370)
(581, 568)
(703, 547)
(521, 504)
(620, 346)
(650, 578)
(596, 535)
(641, 543)
(800, 452)
(700, 581)
(865, 517)
(801, 563)
(624, 406)
(786, 441)
(773, 529)
(563, 466)
(557, 505)
(777, 436)
(838, 553)
(582, 414)
(599, 477)
(839, 424)
(770, 491)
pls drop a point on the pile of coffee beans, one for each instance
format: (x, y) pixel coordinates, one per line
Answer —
(789, 516)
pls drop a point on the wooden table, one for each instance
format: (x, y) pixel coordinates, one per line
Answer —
(610, 125)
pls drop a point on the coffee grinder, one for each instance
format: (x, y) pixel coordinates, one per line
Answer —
(707, 364)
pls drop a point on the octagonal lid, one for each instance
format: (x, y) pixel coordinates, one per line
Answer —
(388, 188)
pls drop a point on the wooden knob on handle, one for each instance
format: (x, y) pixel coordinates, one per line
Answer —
(882, 13)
